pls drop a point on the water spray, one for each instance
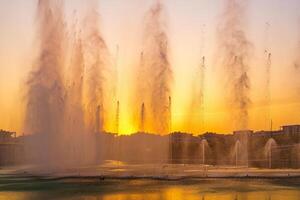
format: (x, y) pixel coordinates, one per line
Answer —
(170, 114)
(142, 118)
(198, 85)
(97, 117)
(157, 67)
(235, 50)
(74, 126)
(45, 95)
(268, 68)
(268, 86)
(202, 89)
(141, 93)
(99, 76)
(117, 118)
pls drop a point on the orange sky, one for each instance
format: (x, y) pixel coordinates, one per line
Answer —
(122, 24)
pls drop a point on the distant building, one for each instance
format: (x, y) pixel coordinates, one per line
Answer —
(242, 133)
(291, 129)
(8, 147)
(240, 148)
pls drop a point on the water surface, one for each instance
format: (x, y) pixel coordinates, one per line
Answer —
(17, 188)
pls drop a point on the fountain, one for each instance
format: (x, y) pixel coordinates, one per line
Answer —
(68, 131)
(157, 70)
(237, 148)
(271, 144)
(45, 108)
(142, 119)
(184, 150)
(99, 81)
(117, 120)
(234, 53)
(170, 114)
(74, 113)
(204, 145)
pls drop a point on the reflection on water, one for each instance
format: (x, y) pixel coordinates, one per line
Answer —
(183, 194)
(94, 189)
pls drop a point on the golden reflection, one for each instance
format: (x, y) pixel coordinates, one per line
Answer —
(170, 193)
(181, 193)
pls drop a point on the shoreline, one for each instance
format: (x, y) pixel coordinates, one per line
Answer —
(156, 173)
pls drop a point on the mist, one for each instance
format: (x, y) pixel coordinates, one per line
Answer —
(45, 89)
(157, 69)
(234, 50)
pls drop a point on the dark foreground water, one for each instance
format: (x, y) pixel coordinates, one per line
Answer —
(16, 188)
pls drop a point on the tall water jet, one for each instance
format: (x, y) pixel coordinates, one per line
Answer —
(267, 72)
(237, 147)
(204, 146)
(297, 63)
(74, 123)
(170, 130)
(202, 90)
(197, 103)
(196, 107)
(45, 95)
(234, 57)
(268, 87)
(202, 71)
(98, 119)
(240, 151)
(266, 39)
(271, 144)
(141, 93)
(142, 118)
(116, 74)
(99, 76)
(157, 68)
(115, 90)
(170, 115)
(117, 120)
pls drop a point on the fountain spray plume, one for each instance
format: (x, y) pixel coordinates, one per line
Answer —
(117, 120)
(115, 72)
(141, 93)
(268, 68)
(45, 95)
(202, 84)
(97, 119)
(157, 66)
(99, 85)
(74, 123)
(98, 76)
(202, 90)
(268, 87)
(297, 60)
(235, 49)
(142, 118)
(269, 146)
(170, 114)
(237, 149)
(204, 147)
(197, 100)
(202, 76)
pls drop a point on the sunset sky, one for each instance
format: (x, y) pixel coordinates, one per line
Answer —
(191, 27)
